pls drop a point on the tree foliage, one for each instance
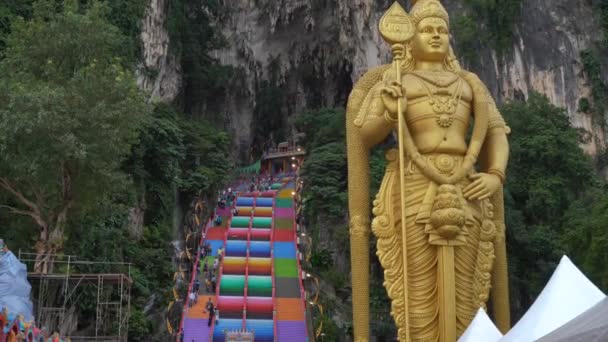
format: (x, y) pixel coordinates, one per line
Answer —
(490, 22)
(69, 112)
(602, 6)
(193, 38)
(207, 165)
(324, 172)
(599, 89)
(9, 10)
(325, 209)
(154, 163)
(585, 237)
(102, 235)
(547, 172)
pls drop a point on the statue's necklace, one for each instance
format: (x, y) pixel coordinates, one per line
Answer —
(442, 103)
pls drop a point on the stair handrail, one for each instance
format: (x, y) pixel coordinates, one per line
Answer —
(221, 269)
(302, 291)
(272, 275)
(193, 276)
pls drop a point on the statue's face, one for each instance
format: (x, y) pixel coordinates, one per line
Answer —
(432, 40)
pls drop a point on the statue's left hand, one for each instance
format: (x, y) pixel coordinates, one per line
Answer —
(483, 186)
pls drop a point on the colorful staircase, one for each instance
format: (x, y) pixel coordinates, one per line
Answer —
(259, 285)
(291, 322)
(195, 319)
(245, 297)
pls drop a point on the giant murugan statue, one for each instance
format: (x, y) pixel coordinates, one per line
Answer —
(439, 214)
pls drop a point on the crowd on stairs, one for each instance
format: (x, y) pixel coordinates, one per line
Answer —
(247, 266)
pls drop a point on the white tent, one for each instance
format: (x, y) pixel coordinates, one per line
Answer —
(481, 329)
(590, 326)
(567, 294)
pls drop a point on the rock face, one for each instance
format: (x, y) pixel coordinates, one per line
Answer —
(546, 57)
(319, 48)
(160, 72)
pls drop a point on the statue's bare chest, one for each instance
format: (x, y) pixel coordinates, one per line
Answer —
(439, 96)
(438, 110)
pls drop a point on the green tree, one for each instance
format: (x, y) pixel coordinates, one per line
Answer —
(193, 38)
(485, 23)
(547, 172)
(324, 172)
(206, 166)
(9, 10)
(154, 163)
(69, 112)
(175, 151)
(585, 237)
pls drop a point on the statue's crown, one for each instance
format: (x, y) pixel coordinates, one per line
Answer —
(428, 9)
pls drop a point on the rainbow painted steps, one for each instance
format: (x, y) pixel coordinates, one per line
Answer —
(246, 289)
(259, 285)
(291, 322)
(195, 320)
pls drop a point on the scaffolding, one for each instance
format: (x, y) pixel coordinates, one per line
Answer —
(74, 283)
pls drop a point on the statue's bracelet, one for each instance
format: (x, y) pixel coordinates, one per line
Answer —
(498, 174)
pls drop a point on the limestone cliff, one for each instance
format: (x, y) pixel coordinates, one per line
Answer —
(160, 71)
(319, 48)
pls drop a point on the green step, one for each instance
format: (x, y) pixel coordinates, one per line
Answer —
(232, 285)
(240, 222)
(276, 186)
(259, 286)
(283, 202)
(262, 222)
(285, 268)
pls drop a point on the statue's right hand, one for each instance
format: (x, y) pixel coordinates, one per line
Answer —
(390, 95)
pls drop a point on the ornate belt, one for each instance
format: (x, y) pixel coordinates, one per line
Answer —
(444, 163)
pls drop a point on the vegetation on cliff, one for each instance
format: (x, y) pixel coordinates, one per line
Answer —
(488, 23)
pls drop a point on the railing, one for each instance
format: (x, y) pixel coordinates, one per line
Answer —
(221, 270)
(194, 275)
(274, 299)
(302, 291)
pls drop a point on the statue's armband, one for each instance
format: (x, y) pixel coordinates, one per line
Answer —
(496, 123)
(371, 119)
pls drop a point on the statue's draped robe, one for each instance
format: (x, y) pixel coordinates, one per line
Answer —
(421, 255)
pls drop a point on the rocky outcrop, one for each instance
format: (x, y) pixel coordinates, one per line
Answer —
(160, 71)
(546, 57)
(319, 48)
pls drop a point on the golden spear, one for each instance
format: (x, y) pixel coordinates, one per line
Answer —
(396, 29)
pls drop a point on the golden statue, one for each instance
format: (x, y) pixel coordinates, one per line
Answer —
(439, 213)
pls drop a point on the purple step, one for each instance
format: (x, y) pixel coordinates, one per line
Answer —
(292, 331)
(283, 212)
(196, 329)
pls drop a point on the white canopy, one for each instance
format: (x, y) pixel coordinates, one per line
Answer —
(567, 294)
(590, 326)
(481, 329)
